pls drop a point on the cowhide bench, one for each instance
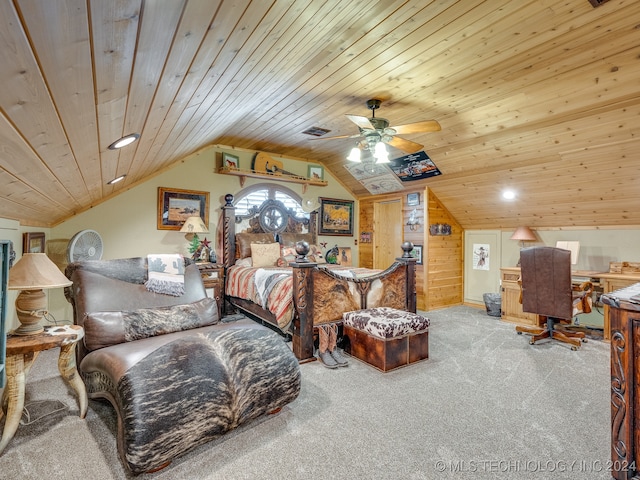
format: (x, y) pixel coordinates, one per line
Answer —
(386, 338)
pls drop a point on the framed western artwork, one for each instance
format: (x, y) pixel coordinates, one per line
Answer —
(230, 161)
(33, 242)
(175, 206)
(336, 217)
(315, 172)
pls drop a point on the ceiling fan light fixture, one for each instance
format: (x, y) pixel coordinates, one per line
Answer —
(124, 141)
(354, 156)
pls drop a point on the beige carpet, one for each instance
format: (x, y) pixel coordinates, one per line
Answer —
(485, 405)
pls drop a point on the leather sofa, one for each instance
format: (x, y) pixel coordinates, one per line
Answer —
(175, 373)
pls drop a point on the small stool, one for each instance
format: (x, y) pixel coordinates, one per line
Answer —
(386, 338)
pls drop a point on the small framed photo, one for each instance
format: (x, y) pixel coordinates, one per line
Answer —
(175, 206)
(417, 253)
(230, 161)
(413, 199)
(33, 242)
(315, 172)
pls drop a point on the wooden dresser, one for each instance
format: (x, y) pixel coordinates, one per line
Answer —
(511, 308)
(620, 275)
(624, 318)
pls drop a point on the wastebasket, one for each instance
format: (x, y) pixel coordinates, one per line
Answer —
(493, 302)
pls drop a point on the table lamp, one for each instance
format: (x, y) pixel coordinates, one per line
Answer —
(192, 227)
(33, 273)
(524, 234)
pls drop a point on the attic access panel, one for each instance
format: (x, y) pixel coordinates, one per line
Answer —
(414, 166)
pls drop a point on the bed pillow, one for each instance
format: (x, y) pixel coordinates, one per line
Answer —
(265, 254)
(316, 255)
(102, 329)
(244, 241)
(288, 253)
(244, 262)
(290, 239)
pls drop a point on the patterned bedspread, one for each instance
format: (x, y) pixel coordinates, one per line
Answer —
(271, 288)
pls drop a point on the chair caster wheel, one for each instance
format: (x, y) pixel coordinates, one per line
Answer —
(574, 348)
(584, 340)
(531, 342)
(519, 333)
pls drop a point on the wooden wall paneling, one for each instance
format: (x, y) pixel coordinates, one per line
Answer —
(444, 281)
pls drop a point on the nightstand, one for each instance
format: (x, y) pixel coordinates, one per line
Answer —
(213, 279)
(22, 350)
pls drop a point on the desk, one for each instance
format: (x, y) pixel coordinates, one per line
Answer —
(22, 350)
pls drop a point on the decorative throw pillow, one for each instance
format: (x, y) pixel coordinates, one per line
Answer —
(244, 262)
(244, 241)
(316, 253)
(288, 253)
(265, 254)
(103, 329)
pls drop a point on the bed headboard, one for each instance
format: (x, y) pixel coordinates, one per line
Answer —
(271, 220)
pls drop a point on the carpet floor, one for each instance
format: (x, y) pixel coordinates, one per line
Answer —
(485, 405)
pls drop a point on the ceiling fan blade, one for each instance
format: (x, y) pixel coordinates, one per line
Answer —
(404, 145)
(419, 127)
(362, 122)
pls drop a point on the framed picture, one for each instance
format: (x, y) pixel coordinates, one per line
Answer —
(336, 217)
(33, 242)
(230, 161)
(315, 172)
(413, 199)
(344, 257)
(417, 253)
(175, 206)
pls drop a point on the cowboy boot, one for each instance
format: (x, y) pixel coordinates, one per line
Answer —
(323, 349)
(333, 346)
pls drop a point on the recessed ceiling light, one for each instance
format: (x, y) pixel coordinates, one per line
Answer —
(124, 141)
(116, 180)
(508, 194)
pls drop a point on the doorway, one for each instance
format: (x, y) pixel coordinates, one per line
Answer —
(387, 227)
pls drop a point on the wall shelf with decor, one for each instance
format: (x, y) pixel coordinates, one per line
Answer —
(242, 174)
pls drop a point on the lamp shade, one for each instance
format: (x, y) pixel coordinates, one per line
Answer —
(194, 225)
(35, 271)
(523, 234)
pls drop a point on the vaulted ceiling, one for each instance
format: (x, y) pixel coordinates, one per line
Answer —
(540, 96)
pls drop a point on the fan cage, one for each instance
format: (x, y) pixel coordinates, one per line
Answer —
(85, 245)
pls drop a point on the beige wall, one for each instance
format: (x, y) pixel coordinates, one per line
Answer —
(127, 223)
(598, 247)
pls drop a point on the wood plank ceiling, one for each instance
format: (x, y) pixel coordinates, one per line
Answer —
(540, 96)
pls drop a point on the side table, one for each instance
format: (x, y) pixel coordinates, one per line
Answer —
(22, 350)
(213, 278)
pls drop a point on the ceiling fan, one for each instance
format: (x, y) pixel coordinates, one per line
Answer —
(374, 130)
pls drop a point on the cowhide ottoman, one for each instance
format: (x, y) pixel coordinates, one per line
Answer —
(386, 338)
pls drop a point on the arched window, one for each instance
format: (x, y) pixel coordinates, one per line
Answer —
(255, 195)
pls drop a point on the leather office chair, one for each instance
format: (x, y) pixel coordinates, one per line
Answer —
(547, 291)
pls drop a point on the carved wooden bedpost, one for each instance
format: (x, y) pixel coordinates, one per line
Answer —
(228, 231)
(303, 303)
(411, 276)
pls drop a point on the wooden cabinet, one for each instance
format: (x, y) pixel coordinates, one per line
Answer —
(511, 308)
(611, 282)
(625, 383)
(213, 279)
